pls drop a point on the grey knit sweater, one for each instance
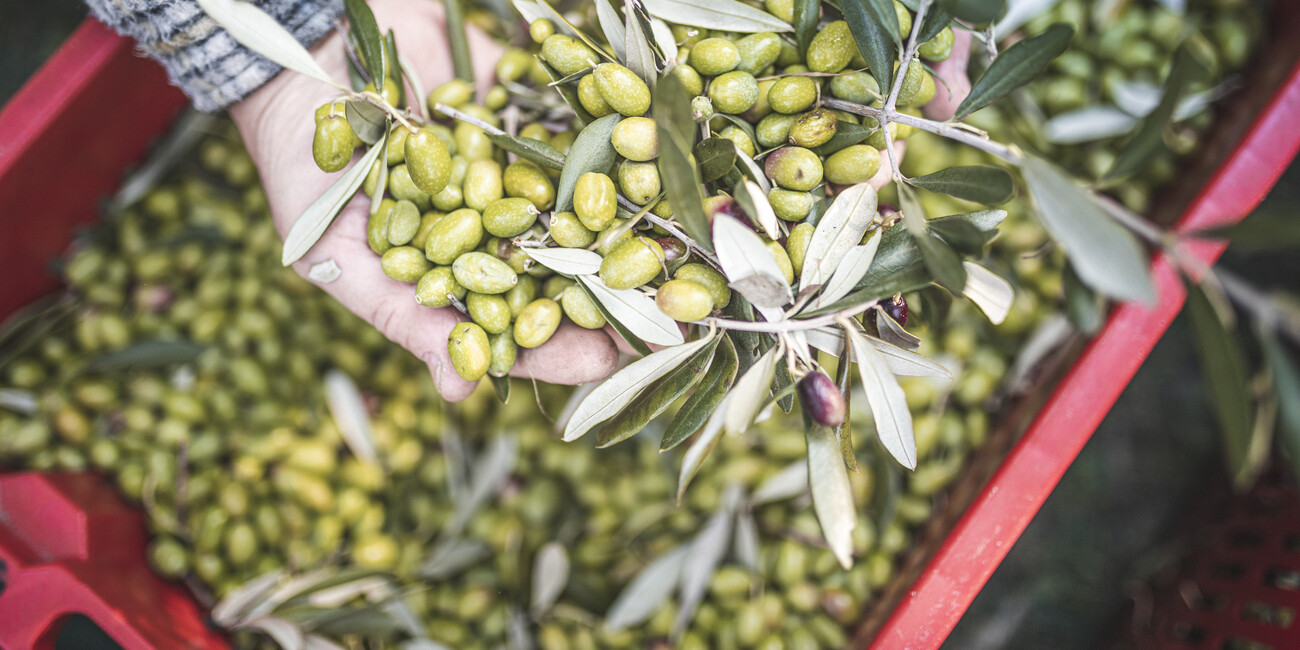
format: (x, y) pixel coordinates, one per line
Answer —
(201, 58)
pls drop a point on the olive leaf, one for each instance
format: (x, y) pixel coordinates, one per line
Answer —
(886, 399)
(1148, 136)
(490, 472)
(318, 216)
(452, 557)
(706, 397)
(1015, 67)
(1018, 13)
(318, 642)
(753, 200)
(655, 399)
(258, 31)
(231, 609)
(906, 362)
(641, 56)
(664, 40)
(568, 261)
(844, 431)
(748, 265)
(840, 229)
(790, 482)
(348, 409)
(706, 553)
(1086, 308)
(649, 590)
(721, 15)
(612, 27)
(832, 494)
(694, 457)
(978, 183)
(893, 333)
(974, 12)
(1286, 382)
(747, 397)
(745, 545)
(963, 236)
(22, 402)
(369, 39)
(898, 267)
(622, 387)
(853, 266)
(567, 93)
(1106, 256)
(1223, 367)
(591, 151)
(806, 15)
(501, 386)
(368, 121)
(461, 61)
(988, 291)
(550, 576)
(1087, 124)
(940, 260)
(715, 157)
(146, 354)
(681, 180)
(874, 25)
(626, 334)
(751, 169)
(635, 311)
(529, 149)
(286, 634)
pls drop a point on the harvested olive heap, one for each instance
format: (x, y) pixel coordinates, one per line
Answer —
(303, 477)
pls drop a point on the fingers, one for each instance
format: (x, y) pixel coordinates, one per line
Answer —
(886, 174)
(573, 356)
(954, 84)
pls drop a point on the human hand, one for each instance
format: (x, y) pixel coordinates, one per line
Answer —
(277, 127)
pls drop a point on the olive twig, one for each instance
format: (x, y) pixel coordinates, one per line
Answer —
(467, 118)
(787, 325)
(952, 131)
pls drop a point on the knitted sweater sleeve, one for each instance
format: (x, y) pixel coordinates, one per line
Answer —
(200, 57)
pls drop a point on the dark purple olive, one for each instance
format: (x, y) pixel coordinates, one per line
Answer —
(674, 248)
(896, 307)
(822, 399)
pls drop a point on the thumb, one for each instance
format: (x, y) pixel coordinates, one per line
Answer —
(953, 83)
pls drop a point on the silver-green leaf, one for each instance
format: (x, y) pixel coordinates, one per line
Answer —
(591, 151)
(750, 392)
(1106, 256)
(748, 265)
(318, 216)
(613, 28)
(635, 311)
(722, 15)
(348, 409)
(988, 291)
(887, 401)
(840, 229)
(550, 576)
(258, 31)
(1015, 67)
(568, 261)
(846, 276)
(642, 597)
(832, 494)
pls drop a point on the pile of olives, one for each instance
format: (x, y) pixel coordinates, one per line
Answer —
(458, 213)
(241, 468)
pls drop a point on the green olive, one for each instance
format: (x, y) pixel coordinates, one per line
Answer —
(450, 198)
(525, 179)
(504, 352)
(427, 161)
(791, 205)
(912, 84)
(639, 181)
(794, 168)
(612, 236)
(568, 231)
(454, 235)
(591, 99)
(521, 294)
(938, 48)
(467, 345)
(240, 541)
(508, 252)
(741, 139)
(792, 94)
(714, 56)
(490, 311)
(632, 263)
(782, 258)
(472, 142)
(758, 51)
(595, 200)
(403, 223)
(622, 89)
(454, 93)
(580, 309)
(690, 78)
(555, 286)
(856, 87)
(513, 65)
(814, 128)
(733, 92)
(333, 144)
(405, 263)
(774, 130)
(403, 188)
(509, 217)
(710, 279)
(684, 300)
(783, 9)
(168, 557)
(852, 165)
(395, 150)
(377, 227)
(483, 184)
(636, 138)
(483, 273)
(904, 18)
(541, 29)
(832, 48)
(567, 54)
(328, 109)
(537, 323)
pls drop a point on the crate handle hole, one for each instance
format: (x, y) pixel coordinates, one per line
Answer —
(76, 632)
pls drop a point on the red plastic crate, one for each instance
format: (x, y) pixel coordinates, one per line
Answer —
(95, 107)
